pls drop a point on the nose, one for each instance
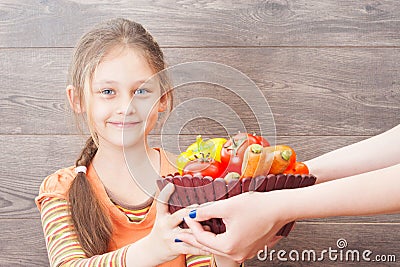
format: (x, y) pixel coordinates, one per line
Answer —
(126, 106)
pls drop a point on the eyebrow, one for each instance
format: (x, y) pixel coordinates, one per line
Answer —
(112, 82)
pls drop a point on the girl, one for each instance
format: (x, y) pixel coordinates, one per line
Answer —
(94, 214)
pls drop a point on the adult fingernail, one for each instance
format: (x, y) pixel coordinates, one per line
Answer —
(192, 214)
(177, 240)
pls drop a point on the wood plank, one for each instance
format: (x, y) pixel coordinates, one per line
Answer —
(34, 23)
(310, 91)
(22, 243)
(23, 172)
(380, 239)
(327, 68)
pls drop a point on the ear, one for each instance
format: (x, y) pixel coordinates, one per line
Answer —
(73, 99)
(163, 103)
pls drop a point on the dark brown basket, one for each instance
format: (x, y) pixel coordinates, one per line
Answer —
(198, 190)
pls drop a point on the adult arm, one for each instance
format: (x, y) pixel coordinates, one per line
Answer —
(374, 153)
(253, 219)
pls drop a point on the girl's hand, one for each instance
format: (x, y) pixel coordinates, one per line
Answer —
(164, 235)
(251, 219)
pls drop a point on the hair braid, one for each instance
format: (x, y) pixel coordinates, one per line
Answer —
(94, 227)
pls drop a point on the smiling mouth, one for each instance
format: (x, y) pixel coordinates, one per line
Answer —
(123, 124)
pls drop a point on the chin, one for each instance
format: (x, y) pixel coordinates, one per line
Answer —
(128, 143)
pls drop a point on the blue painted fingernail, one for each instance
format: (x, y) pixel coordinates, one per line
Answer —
(178, 240)
(192, 214)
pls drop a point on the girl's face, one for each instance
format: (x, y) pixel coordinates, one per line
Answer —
(123, 110)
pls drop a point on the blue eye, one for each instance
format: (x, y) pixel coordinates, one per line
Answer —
(107, 91)
(141, 91)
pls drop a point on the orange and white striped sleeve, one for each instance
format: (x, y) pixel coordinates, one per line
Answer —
(62, 243)
(198, 260)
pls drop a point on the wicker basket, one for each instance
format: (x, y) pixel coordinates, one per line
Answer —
(198, 190)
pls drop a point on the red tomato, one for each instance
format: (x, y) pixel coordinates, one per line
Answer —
(298, 168)
(261, 140)
(232, 152)
(204, 167)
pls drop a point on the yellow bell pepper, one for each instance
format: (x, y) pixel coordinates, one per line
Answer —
(210, 148)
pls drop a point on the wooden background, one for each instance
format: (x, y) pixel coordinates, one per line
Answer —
(329, 69)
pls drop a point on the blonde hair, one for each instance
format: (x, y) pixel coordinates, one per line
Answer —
(92, 225)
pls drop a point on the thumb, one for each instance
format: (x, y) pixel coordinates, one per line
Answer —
(210, 210)
(163, 197)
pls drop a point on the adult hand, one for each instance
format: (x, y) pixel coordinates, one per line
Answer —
(251, 219)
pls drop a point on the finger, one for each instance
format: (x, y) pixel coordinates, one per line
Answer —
(184, 248)
(210, 210)
(196, 226)
(163, 197)
(274, 240)
(206, 238)
(180, 214)
(177, 217)
(207, 228)
(191, 240)
(193, 206)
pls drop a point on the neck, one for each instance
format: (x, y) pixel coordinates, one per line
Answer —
(136, 167)
(118, 156)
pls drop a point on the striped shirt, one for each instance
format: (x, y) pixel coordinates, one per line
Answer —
(134, 215)
(63, 245)
(137, 215)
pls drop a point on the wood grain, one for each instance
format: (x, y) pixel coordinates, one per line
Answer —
(381, 239)
(309, 91)
(22, 243)
(328, 69)
(208, 23)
